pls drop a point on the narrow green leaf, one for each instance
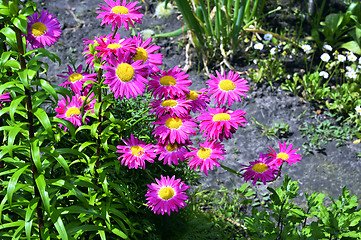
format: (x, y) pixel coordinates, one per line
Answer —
(12, 64)
(49, 89)
(21, 23)
(13, 181)
(44, 120)
(59, 225)
(40, 182)
(11, 138)
(29, 216)
(14, 105)
(60, 159)
(35, 153)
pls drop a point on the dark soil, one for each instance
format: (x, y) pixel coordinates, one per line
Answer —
(327, 171)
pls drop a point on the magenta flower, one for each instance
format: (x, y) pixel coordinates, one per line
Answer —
(167, 195)
(77, 79)
(206, 156)
(227, 88)
(174, 130)
(70, 109)
(145, 51)
(5, 97)
(285, 154)
(43, 29)
(119, 13)
(124, 77)
(172, 83)
(136, 152)
(174, 107)
(108, 46)
(260, 169)
(219, 123)
(171, 153)
(199, 100)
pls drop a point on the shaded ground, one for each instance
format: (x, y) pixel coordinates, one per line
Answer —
(325, 172)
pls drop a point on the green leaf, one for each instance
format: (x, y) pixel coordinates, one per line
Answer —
(13, 64)
(21, 23)
(29, 216)
(14, 105)
(35, 153)
(44, 120)
(49, 89)
(352, 46)
(41, 184)
(59, 225)
(13, 181)
(15, 129)
(4, 10)
(60, 159)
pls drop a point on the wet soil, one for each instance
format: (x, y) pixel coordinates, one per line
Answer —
(326, 171)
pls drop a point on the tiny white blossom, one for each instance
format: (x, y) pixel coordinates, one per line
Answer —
(267, 36)
(351, 74)
(348, 68)
(327, 47)
(324, 74)
(147, 33)
(273, 51)
(325, 57)
(351, 57)
(258, 46)
(306, 48)
(288, 76)
(162, 12)
(341, 58)
(358, 109)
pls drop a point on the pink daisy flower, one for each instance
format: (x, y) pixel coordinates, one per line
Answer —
(259, 169)
(206, 156)
(136, 152)
(5, 97)
(145, 51)
(71, 111)
(77, 79)
(285, 154)
(43, 29)
(199, 100)
(172, 83)
(227, 88)
(175, 107)
(88, 54)
(174, 130)
(220, 122)
(108, 46)
(124, 77)
(167, 195)
(171, 153)
(119, 13)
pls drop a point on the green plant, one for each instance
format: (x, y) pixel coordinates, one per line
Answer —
(285, 220)
(320, 134)
(269, 70)
(276, 130)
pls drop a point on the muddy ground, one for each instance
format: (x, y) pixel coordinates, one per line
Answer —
(326, 171)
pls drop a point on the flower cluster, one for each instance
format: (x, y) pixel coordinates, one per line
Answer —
(268, 166)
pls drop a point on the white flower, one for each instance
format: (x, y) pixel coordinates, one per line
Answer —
(267, 36)
(258, 46)
(359, 61)
(325, 57)
(147, 33)
(288, 76)
(348, 68)
(351, 57)
(162, 12)
(351, 74)
(327, 47)
(358, 109)
(306, 48)
(273, 51)
(323, 74)
(341, 58)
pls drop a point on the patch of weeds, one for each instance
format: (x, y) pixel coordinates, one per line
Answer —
(276, 130)
(226, 207)
(320, 133)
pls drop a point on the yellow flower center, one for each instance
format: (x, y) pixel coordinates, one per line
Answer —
(140, 54)
(114, 46)
(283, 156)
(221, 117)
(72, 111)
(137, 150)
(260, 167)
(171, 147)
(204, 153)
(169, 103)
(38, 29)
(125, 72)
(75, 77)
(120, 10)
(227, 85)
(192, 95)
(167, 80)
(173, 123)
(166, 193)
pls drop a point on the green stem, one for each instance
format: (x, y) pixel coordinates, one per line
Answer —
(100, 119)
(30, 115)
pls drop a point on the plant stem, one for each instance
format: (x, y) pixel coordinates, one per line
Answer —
(100, 73)
(280, 218)
(30, 115)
